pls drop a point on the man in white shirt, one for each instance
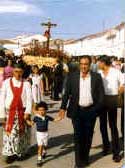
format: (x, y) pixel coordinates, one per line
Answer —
(84, 95)
(113, 84)
(16, 106)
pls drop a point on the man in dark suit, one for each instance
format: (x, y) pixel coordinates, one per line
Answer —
(84, 95)
(57, 79)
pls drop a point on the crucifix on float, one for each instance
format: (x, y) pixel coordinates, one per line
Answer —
(47, 33)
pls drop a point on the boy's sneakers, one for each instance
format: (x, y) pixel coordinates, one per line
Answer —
(39, 161)
(44, 155)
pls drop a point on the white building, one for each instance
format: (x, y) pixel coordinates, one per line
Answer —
(20, 41)
(110, 42)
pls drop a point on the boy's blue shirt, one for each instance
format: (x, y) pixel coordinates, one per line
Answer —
(42, 123)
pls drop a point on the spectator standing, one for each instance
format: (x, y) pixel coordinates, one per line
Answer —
(113, 84)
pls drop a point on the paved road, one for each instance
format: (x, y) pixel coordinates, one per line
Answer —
(60, 148)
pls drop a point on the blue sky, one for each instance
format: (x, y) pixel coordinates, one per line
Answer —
(74, 18)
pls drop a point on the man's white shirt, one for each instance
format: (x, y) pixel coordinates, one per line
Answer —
(112, 81)
(85, 96)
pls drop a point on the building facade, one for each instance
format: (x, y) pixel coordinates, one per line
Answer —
(110, 42)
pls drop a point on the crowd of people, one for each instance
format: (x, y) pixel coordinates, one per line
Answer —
(87, 90)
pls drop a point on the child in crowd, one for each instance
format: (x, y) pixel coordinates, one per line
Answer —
(37, 85)
(41, 120)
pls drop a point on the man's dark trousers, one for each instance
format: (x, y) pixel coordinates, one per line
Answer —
(83, 132)
(110, 111)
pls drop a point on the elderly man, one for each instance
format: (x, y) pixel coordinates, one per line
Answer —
(84, 91)
(16, 105)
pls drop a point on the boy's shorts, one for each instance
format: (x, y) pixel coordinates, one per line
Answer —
(42, 138)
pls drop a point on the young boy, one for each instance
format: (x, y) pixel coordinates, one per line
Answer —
(41, 120)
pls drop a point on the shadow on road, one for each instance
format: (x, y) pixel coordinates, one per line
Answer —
(97, 147)
(121, 142)
(13, 166)
(99, 155)
(66, 146)
(31, 152)
(63, 140)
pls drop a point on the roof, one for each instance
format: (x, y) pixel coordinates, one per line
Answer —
(25, 39)
(91, 36)
(4, 41)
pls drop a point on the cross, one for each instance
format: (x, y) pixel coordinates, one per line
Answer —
(49, 25)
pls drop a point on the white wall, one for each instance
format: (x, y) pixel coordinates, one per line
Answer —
(17, 50)
(99, 45)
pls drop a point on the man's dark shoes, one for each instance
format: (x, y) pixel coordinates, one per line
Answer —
(11, 159)
(116, 158)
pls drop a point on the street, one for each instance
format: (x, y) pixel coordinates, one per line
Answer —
(60, 148)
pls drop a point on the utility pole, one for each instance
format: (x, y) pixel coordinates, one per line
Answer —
(47, 33)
